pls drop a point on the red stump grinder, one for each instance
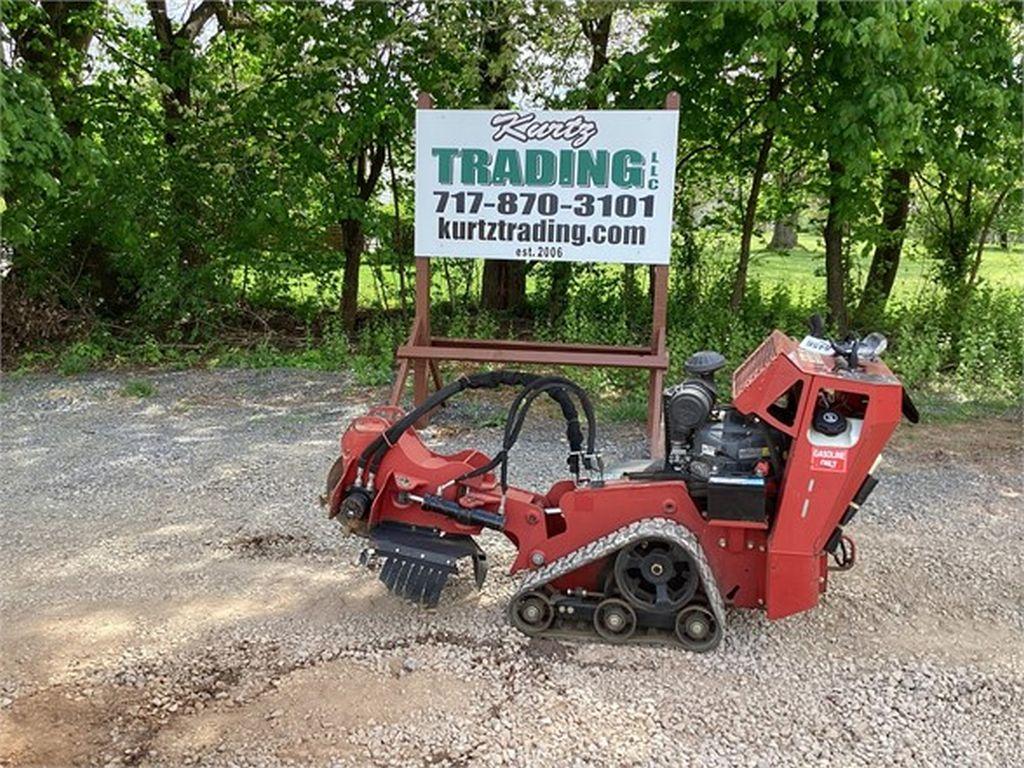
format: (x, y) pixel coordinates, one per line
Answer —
(745, 509)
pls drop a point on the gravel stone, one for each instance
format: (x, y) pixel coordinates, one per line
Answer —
(173, 594)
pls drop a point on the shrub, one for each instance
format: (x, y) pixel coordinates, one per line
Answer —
(80, 357)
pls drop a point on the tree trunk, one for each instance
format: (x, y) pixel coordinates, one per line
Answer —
(1004, 240)
(739, 283)
(597, 31)
(986, 226)
(961, 236)
(631, 299)
(561, 285)
(365, 166)
(504, 282)
(352, 242)
(783, 235)
(504, 286)
(835, 264)
(176, 53)
(886, 260)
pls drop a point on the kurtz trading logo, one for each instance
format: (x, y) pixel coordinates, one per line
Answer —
(525, 127)
(573, 166)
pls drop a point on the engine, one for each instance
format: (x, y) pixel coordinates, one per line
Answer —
(731, 462)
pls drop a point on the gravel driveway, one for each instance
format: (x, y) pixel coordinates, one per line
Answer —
(172, 594)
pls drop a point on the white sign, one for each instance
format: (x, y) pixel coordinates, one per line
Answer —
(814, 344)
(553, 186)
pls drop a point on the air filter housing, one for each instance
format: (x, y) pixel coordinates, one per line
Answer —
(688, 405)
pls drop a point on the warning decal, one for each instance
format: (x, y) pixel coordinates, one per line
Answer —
(829, 459)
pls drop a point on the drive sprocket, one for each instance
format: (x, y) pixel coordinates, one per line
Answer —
(656, 574)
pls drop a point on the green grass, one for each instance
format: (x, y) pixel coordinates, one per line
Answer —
(80, 357)
(802, 269)
(137, 388)
(949, 407)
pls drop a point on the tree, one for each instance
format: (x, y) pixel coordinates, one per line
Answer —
(732, 63)
(862, 109)
(365, 167)
(886, 259)
(45, 159)
(174, 70)
(595, 22)
(784, 201)
(913, 67)
(739, 285)
(504, 282)
(972, 135)
(338, 83)
(177, 56)
(34, 141)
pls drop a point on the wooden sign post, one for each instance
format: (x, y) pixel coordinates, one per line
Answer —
(423, 351)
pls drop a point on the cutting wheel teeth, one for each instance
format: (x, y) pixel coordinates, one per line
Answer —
(419, 582)
(434, 586)
(402, 576)
(389, 573)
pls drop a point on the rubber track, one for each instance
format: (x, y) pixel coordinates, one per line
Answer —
(655, 527)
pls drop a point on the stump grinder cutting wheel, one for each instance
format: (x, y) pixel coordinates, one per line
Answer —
(745, 510)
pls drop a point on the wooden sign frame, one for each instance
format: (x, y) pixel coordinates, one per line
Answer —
(423, 351)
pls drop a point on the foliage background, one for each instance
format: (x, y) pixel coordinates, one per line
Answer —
(225, 183)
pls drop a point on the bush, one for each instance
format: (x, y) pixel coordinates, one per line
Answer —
(971, 346)
(80, 357)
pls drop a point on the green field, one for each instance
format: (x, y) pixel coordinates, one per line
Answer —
(804, 267)
(802, 270)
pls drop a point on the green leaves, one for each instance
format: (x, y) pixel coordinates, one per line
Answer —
(174, 185)
(32, 144)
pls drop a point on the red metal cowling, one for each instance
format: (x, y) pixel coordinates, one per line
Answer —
(820, 478)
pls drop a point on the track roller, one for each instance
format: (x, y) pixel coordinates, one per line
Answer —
(697, 629)
(614, 620)
(531, 612)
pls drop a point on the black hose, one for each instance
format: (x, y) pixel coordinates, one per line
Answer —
(373, 454)
(517, 418)
(558, 389)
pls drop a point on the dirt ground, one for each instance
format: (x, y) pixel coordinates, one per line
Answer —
(171, 594)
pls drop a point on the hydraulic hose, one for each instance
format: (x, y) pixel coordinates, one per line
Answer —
(554, 385)
(559, 390)
(373, 454)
